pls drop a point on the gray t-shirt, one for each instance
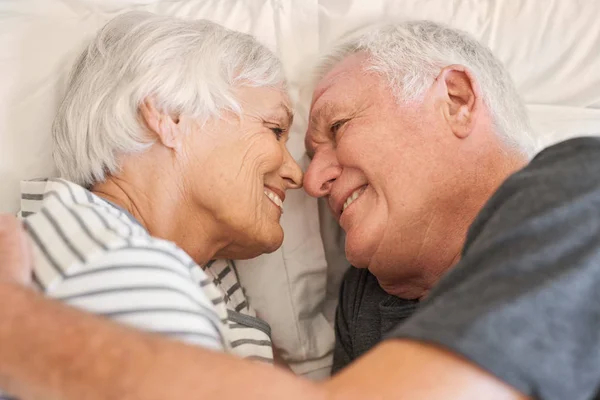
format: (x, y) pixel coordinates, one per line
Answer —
(524, 301)
(365, 314)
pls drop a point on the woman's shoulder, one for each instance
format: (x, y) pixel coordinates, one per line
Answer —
(95, 256)
(72, 230)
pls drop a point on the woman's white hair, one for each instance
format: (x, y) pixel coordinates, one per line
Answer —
(189, 66)
(411, 54)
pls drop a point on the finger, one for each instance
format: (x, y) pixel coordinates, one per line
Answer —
(8, 224)
(15, 251)
(10, 229)
(12, 235)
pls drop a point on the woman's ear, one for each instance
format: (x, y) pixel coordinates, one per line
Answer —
(164, 126)
(462, 99)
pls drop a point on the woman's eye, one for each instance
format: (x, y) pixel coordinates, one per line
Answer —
(278, 132)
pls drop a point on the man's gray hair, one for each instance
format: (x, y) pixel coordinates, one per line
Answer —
(410, 55)
(190, 67)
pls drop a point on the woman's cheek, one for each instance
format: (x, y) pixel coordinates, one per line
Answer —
(272, 156)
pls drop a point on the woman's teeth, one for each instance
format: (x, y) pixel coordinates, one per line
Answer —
(274, 198)
(353, 197)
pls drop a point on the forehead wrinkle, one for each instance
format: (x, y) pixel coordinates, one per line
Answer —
(323, 112)
(329, 81)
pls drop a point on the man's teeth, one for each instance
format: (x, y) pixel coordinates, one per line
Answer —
(274, 198)
(352, 197)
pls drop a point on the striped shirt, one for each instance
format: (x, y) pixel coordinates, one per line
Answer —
(95, 256)
(249, 336)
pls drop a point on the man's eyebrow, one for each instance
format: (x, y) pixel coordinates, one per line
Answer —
(321, 113)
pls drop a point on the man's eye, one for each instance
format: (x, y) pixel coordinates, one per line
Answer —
(335, 127)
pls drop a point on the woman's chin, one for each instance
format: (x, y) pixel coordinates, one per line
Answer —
(272, 248)
(273, 242)
(253, 247)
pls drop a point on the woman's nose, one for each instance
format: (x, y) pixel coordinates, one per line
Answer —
(291, 172)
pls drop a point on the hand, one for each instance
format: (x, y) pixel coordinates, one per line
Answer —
(15, 252)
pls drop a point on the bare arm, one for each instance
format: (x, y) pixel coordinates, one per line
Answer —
(15, 252)
(402, 369)
(51, 351)
(81, 356)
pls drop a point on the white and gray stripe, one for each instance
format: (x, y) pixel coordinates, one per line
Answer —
(250, 336)
(94, 255)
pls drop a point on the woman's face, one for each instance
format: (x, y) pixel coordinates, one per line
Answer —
(238, 169)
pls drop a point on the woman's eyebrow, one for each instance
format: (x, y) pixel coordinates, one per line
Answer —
(281, 112)
(288, 111)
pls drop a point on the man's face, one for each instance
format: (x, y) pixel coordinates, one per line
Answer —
(384, 168)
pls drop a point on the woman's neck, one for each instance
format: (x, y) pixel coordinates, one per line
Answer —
(162, 210)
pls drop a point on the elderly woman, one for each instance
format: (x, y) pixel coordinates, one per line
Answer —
(171, 144)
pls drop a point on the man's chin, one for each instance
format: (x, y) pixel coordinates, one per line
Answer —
(357, 257)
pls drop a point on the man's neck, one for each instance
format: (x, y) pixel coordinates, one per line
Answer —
(418, 287)
(445, 249)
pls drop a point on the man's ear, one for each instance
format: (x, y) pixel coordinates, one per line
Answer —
(164, 126)
(462, 99)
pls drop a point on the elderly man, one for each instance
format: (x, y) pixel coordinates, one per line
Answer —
(412, 128)
(514, 319)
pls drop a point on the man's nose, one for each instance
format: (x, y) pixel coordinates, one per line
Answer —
(322, 171)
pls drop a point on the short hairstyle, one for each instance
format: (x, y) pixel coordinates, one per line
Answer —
(189, 66)
(411, 54)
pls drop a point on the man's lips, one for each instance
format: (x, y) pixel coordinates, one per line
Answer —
(336, 203)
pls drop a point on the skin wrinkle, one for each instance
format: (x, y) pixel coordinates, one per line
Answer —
(132, 208)
(188, 181)
(417, 280)
(248, 173)
(425, 237)
(254, 163)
